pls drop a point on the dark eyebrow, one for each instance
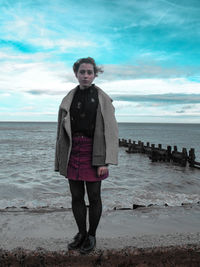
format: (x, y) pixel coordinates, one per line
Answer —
(88, 71)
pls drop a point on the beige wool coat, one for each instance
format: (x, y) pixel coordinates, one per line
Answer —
(105, 141)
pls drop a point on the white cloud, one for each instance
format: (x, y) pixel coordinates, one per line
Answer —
(23, 77)
(10, 56)
(27, 108)
(123, 104)
(62, 44)
(146, 69)
(152, 86)
(55, 78)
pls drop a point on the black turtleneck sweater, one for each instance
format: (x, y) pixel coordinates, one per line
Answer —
(83, 111)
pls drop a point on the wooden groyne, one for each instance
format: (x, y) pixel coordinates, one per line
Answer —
(160, 154)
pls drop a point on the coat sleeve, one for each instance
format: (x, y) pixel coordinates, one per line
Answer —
(105, 145)
(110, 130)
(56, 165)
(99, 150)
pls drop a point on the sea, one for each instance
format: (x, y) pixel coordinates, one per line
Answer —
(28, 180)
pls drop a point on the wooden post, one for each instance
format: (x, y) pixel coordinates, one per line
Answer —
(147, 148)
(158, 153)
(142, 147)
(169, 149)
(153, 153)
(191, 158)
(184, 157)
(174, 159)
(125, 143)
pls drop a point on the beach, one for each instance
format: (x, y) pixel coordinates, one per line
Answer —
(35, 203)
(146, 236)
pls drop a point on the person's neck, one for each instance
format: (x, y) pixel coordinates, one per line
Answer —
(83, 88)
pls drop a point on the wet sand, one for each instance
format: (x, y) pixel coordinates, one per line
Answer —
(149, 236)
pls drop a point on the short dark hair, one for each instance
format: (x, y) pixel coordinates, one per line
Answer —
(88, 60)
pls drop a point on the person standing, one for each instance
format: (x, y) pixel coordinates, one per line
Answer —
(87, 142)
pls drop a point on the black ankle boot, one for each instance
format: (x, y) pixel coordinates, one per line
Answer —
(78, 241)
(88, 244)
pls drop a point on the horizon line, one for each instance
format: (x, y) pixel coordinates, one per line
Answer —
(117, 122)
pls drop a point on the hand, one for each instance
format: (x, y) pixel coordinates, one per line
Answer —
(102, 170)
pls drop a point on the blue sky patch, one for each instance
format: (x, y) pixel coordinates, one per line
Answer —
(149, 51)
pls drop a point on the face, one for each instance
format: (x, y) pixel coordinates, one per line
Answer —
(85, 75)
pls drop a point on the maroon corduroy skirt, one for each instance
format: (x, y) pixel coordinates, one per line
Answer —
(80, 161)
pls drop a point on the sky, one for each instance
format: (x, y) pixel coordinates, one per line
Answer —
(149, 51)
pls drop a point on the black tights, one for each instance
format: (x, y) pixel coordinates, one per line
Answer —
(79, 208)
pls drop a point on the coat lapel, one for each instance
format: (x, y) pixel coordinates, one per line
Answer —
(67, 100)
(65, 105)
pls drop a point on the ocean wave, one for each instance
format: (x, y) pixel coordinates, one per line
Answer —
(49, 209)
